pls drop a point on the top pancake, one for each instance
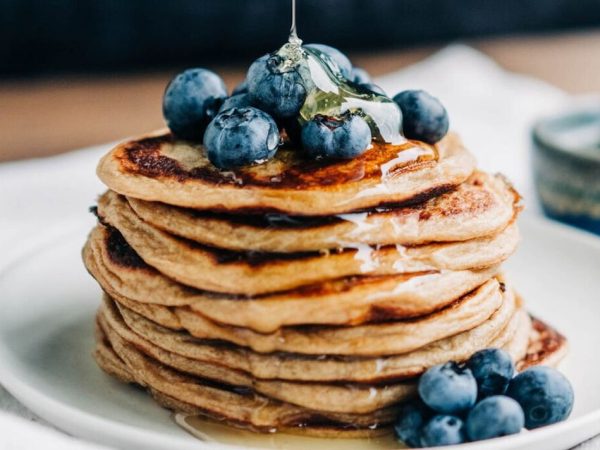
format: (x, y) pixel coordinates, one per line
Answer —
(160, 168)
(481, 206)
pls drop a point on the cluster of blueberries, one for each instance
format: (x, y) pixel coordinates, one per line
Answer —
(244, 128)
(482, 399)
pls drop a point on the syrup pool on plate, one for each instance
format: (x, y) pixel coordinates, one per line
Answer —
(209, 431)
(330, 94)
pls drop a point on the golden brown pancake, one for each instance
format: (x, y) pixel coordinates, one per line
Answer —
(547, 347)
(496, 331)
(387, 338)
(160, 168)
(332, 397)
(195, 395)
(112, 364)
(483, 205)
(217, 270)
(348, 301)
(235, 405)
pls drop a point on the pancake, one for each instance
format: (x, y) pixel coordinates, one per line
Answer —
(365, 340)
(481, 206)
(345, 398)
(512, 330)
(113, 365)
(350, 301)
(303, 295)
(237, 406)
(191, 395)
(498, 330)
(547, 347)
(379, 339)
(160, 168)
(334, 397)
(107, 359)
(217, 270)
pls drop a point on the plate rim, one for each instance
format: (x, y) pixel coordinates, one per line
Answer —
(88, 426)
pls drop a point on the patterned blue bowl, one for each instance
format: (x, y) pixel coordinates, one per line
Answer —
(566, 166)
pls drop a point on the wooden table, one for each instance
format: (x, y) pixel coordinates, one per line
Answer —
(49, 116)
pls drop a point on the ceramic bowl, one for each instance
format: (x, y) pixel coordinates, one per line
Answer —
(566, 165)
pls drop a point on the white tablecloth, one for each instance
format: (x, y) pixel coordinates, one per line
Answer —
(492, 109)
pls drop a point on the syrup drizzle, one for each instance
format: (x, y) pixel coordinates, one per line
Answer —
(210, 431)
(293, 38)
(328, 93)
(331, 94)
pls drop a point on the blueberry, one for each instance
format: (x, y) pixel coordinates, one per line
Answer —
(276, 88)
(494, 417)
(411, 418)
(236, 101)
(191, 101)
(424, 117)
(329, 137)
(360, 76)
(493, 369)
(241, 136)
(545, 395)
(341, 60)
(443, 430)
(241, 88)
(448, 388)
(373, 87)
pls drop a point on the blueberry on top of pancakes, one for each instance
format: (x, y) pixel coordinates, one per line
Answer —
(191, 101)
(330, 137)
(424, 117)
(319, 101)
(241, 136)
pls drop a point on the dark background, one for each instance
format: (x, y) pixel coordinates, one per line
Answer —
(74, 73)
(57, 36)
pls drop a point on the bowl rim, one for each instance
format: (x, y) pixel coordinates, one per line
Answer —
(583, 105)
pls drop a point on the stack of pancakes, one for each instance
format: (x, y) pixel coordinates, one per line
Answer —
(303, 296)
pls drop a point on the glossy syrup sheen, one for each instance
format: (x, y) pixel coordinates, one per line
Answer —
(121, 254)
(210, 431)
(163, 156)
(333, 95)
(328, 93)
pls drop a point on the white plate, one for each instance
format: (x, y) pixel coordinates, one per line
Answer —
(47, 304)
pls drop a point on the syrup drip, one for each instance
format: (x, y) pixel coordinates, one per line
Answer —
(333, 95)
(330, 94)
(294, 39)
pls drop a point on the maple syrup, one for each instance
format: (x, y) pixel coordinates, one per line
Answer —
(210, 431)
(329, 93)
